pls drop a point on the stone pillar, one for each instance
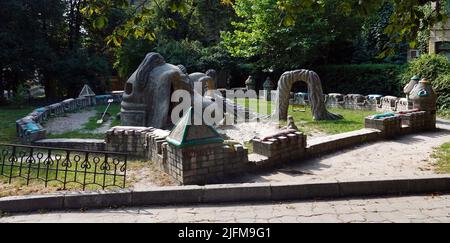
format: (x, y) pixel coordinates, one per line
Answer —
(250, 83)
(268, 87)
(389, 124)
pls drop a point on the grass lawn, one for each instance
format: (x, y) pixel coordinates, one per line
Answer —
(18, 186)
(353, 120)
(442, 155)
(8, 117)
(113, 110)
(444, 114)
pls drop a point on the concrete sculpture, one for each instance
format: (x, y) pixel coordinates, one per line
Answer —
(316, 96)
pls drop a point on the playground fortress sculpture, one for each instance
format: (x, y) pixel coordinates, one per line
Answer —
(197, 154)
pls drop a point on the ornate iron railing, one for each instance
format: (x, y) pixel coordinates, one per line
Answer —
(65, 166)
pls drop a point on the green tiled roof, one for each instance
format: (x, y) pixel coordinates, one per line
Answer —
(186, 134)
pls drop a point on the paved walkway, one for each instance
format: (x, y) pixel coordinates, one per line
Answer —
(406, 156)
(434, 209)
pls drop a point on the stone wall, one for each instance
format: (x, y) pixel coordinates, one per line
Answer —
(205, 164)
(129, 140)
(357, 102)
(281, 148)
(29, 128)
(191, 165)
(402, 123)
(389, 126)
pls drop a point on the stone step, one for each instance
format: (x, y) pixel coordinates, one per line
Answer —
(327, 144)
(259, 162)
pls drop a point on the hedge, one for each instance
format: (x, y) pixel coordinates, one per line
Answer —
(383, 79)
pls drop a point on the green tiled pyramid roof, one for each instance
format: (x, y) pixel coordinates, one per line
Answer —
(186, 134)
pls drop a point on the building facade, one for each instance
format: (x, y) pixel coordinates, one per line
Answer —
(440, 36)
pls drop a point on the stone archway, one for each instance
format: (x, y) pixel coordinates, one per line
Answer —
(315, 93)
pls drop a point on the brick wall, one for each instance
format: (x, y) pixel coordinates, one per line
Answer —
(402, 123)
(206, 163)
(191, 165)
(281, 148)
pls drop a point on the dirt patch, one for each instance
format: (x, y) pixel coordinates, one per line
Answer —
(245, 132)
(69, 122)
(143, 175)
(140, 175)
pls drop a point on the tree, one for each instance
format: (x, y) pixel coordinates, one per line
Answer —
(47, 38)
(187, 34)
(266, 35)
(406, 20)
(28, 30)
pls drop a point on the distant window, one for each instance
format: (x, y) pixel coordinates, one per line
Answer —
(415, 54)
(443, 48)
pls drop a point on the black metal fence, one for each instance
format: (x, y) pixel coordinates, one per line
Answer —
(63, 166)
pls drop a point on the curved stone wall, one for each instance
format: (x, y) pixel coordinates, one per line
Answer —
(360, 102)
(29, 128)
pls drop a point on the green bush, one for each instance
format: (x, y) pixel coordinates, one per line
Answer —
(442, 87)
(363, 79)
(21, 96)
(427, 66)
(437, 69)
(194, 56)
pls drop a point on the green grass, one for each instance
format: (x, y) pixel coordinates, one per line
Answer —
(8, 117)
(444, 114)
(19, 185)
(442, 155)
(92, 124)
(353, 120)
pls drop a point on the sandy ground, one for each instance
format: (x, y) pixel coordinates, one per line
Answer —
(74, 122)
(69, 122)
(245, 132)
(405, 156)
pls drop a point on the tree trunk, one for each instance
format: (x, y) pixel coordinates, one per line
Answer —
(315, 92)
(2, 92)
(50, 87)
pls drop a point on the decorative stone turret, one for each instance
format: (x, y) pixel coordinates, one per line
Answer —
(423, 96)
(411, 85)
